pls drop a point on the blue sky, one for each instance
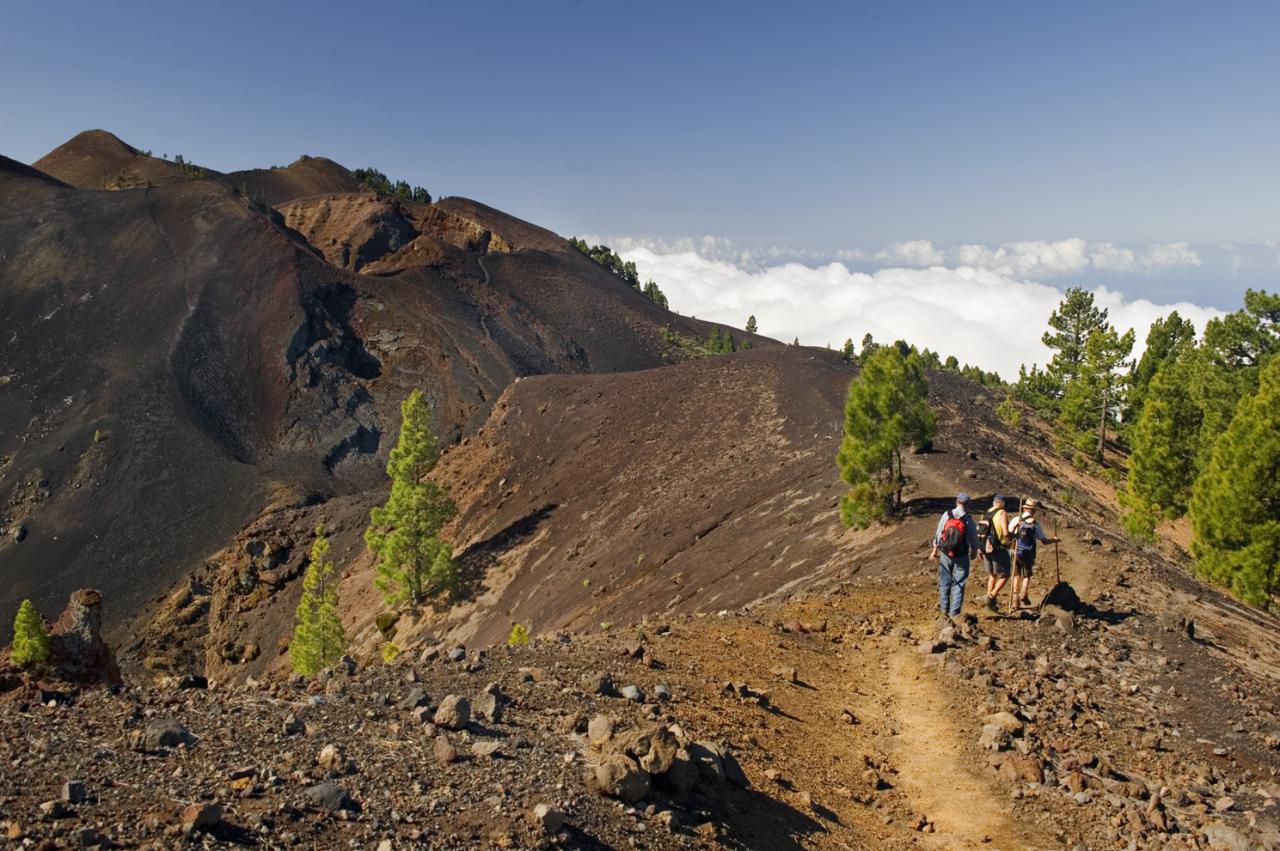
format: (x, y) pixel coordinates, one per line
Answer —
(823, 130)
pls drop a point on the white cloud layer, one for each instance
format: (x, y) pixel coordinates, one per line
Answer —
(982, 310)
(1033, 260)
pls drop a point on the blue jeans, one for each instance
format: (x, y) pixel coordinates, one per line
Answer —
(952, 573)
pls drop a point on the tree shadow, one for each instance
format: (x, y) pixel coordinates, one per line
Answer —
(478, 559)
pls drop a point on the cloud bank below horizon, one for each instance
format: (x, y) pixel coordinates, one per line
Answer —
(986, 311)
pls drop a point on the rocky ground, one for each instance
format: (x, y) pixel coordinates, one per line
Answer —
(848, 720)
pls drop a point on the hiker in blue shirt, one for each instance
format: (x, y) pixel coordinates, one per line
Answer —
(954, 543)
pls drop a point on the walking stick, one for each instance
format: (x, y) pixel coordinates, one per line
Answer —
(1013, 564)
(1057, 565)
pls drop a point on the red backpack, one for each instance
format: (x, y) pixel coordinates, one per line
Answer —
(954, 537)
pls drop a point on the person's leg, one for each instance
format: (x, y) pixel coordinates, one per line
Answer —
(944, 582)
(960, 573)
(1016, 585)
(1026, 586)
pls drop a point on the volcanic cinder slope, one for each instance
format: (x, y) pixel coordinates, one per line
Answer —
(175, 357)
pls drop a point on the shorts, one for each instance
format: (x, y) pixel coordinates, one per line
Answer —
(998, 562)
(1022, 565)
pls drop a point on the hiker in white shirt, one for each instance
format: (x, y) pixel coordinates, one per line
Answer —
(1026, 532)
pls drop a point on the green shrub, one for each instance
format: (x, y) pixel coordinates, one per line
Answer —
(519, 636)
(30, 639)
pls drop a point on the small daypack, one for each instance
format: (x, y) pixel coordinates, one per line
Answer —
(1025, 536)
(953, 537)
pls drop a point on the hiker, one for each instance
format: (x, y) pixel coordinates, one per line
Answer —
(1026, 533)
(995, 551)
(954, 543)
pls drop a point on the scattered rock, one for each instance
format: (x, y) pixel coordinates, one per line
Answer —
(489, 704)
(159, 734)
(633, 693)
(73, 792)
(330, 796)
(486, 748)
(56, 810)
(597, 683)
(414, 699)
(444, 751)
(617, 776)
(199, 817)
(454, 713)
(332, 758)
(548, 818)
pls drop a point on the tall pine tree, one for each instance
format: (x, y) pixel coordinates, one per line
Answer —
(318, 639)
(1235, 506)
(1164, 439)
(1092, 400)
(1073, 322)
(1166, 337)
(887, 410)
(404, 533)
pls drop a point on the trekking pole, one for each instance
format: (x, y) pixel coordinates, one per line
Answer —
(1057, 565)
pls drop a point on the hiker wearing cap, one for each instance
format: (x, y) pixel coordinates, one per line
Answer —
(1026, 532)
(995, 551)
(954, 543)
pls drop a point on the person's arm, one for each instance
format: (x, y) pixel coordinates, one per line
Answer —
(971, 528)
(937, 534)
(1045, 539)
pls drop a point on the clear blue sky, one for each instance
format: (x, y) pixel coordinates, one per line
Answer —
(815, 126)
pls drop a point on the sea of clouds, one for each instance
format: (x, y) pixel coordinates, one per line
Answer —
(987, 305)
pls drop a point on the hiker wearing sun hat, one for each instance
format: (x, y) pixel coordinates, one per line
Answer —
(1026, 532)
(954, 543)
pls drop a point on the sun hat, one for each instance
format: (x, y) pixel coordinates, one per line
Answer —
(1031, 503)
(998, 499)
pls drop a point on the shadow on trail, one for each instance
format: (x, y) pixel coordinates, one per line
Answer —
(978, 505)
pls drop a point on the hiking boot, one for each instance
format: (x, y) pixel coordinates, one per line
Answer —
(1026, 601)
(990, 603)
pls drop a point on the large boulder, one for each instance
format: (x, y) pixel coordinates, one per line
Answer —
(79, 652)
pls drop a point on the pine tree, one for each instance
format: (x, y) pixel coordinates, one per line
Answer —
(1092, 400)
(1235, 506)
(318, 639)
(1164, 439)
(404, 533)
(30, 639)
(886, 410)
(1165, 338)
(752, 327)
(846, 351)
(1229, 359)
(1073, 322)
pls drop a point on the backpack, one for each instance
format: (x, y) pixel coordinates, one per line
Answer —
(953, 538)
(988, 537)
(1025, 538)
